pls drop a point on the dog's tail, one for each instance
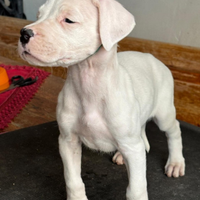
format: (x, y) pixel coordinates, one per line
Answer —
(146, 142)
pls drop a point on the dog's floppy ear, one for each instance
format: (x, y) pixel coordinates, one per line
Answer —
(115, 22)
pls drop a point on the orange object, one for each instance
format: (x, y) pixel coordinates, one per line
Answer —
(4, 80)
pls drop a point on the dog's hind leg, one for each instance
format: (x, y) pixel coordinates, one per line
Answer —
(166, 120)
(118, 158)
(144, 138)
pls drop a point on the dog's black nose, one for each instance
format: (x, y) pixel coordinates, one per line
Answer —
(26, 34)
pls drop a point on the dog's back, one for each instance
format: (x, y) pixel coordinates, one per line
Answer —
(151, 79)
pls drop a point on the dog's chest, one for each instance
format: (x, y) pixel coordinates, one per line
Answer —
(94, 132)
(92, 124)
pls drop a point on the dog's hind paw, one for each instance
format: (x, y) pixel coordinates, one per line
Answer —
(118, 158)
(175, 169)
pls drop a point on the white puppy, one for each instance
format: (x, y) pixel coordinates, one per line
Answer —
(108, 97)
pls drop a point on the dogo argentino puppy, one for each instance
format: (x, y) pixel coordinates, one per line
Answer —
(108, 97)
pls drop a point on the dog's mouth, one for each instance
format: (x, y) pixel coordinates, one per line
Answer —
(31, 58)
(26, 53)
(35, 60)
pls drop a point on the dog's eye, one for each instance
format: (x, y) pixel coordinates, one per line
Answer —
(68, 21)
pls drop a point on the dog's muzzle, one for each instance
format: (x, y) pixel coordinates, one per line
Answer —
(26, 34)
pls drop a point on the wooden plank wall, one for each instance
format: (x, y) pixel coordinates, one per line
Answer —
(184, 62)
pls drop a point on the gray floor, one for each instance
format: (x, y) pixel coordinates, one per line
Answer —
(31, 168)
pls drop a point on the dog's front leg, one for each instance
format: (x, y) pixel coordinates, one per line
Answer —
(135, 160)
(70, 151)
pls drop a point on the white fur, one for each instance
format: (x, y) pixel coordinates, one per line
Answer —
(107, 97)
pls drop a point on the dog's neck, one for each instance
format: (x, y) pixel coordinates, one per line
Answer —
(101, 59)
(95, 51)
(91, 74)
(97, 63)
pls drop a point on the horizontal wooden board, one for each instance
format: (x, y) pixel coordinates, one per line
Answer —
(176, 56)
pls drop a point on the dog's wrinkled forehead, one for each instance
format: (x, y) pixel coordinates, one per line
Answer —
(51, 7)
(65, 8)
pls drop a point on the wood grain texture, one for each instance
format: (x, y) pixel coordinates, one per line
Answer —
(177, 56)
(184, 63)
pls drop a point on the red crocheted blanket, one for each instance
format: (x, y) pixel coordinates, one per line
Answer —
(12, 102)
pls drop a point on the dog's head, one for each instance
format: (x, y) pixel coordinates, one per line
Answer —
(68, 32)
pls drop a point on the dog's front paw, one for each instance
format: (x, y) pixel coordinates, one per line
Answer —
(140, 196)
(118, 158)
(76, 192)
(175, 168)
(77, 199)
(83, 198)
